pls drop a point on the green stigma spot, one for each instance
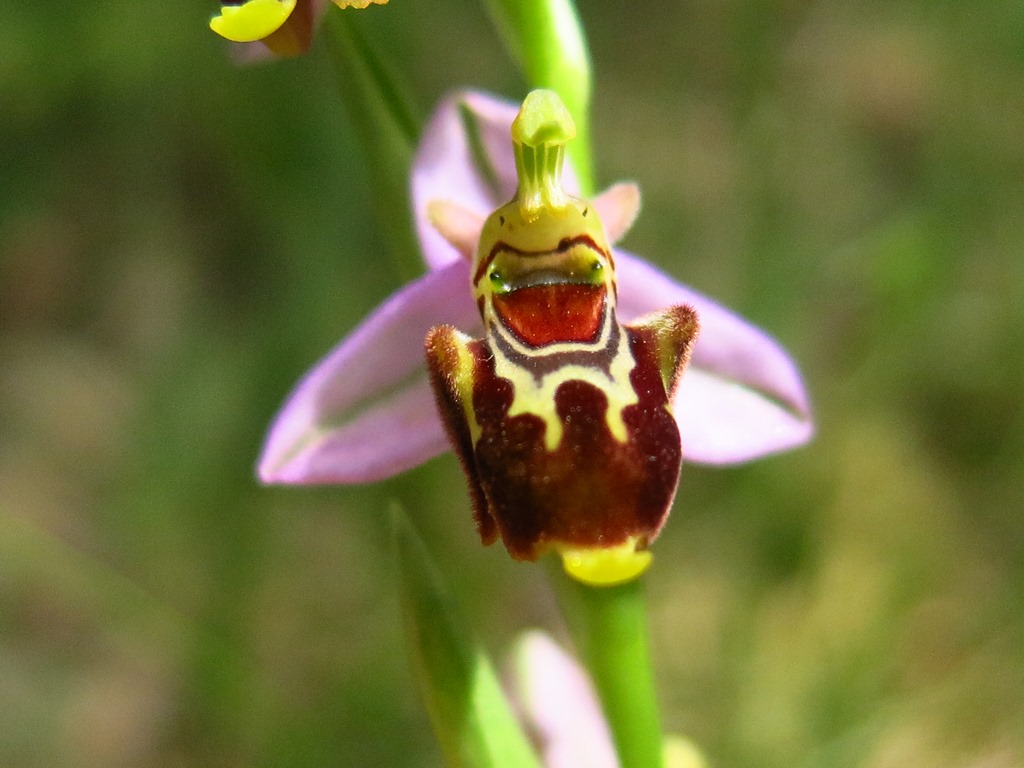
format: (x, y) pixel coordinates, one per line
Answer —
(498, 282)
(606, 567)
(539, 134)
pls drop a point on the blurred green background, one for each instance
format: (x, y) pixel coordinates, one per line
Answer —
(181, 238)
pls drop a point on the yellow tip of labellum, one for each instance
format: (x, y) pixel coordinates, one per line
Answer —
(253, 20)
(606, 567)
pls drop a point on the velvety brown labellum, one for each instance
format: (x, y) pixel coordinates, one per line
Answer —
(593, 490)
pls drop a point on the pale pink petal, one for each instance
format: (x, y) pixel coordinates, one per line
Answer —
(742, 396)
(365, 411)
(444, 167)
(459, 226)
(726, 422)
(618, 207)
(557, 701)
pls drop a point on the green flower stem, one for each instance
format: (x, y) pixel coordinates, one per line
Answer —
(546, 40)
(388, 128)
(610, 628)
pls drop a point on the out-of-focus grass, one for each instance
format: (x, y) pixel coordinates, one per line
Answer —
(180, 238)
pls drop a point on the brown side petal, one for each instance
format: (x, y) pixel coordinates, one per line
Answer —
(674, 332)
(451, 360)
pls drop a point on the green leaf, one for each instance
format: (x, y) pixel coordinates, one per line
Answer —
(387, 126)
(471, 716)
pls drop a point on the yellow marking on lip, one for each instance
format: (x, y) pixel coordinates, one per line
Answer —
(464, 383)
(529, 397)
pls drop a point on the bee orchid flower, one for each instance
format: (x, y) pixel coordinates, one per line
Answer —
(285, 27)
(366, 411)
